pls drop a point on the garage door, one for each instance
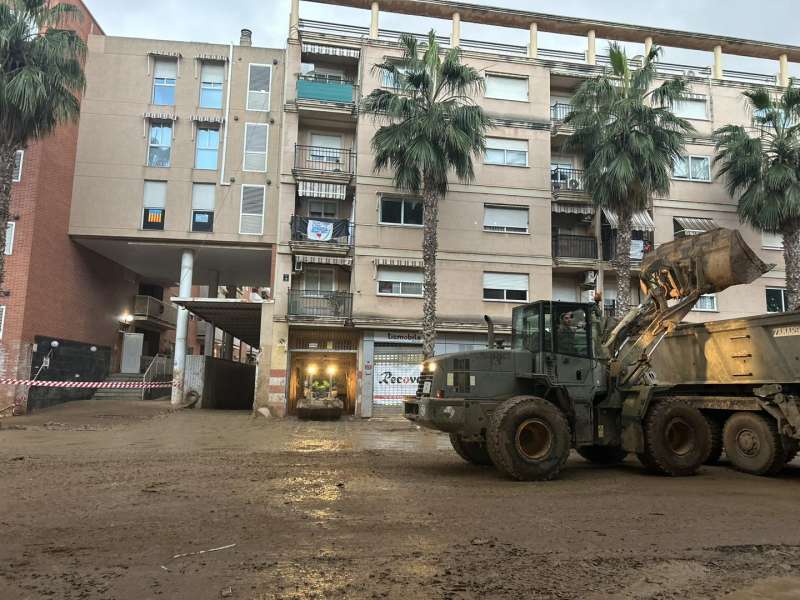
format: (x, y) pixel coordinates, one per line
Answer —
(395, 376)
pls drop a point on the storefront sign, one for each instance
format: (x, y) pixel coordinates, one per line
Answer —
(398, 337)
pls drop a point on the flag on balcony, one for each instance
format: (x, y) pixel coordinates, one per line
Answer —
(319, 231)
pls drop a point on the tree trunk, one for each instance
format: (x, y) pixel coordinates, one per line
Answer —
(622, 265)
(430, 246)
(791, 255)
(7, 160)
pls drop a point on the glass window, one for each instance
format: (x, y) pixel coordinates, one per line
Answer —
(572, 335)
(510, 287)
(526, 334)
(322, 209)
(776, 300)
(691, 108)
(18, 157)
(706, 303)
(508, 219)
(212, 77)
(681, 168)
(507, 88)
(258, 89)
(11, 228)
(401, 211)
(202, 220)
(693, 168)
(207, 149)
(164, 76)
(319, 280)
(160, 145)
(506, 152)
(398, 282)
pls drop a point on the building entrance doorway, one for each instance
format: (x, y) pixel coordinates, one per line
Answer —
(323, 374)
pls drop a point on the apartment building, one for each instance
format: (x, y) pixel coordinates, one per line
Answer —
(348, 281)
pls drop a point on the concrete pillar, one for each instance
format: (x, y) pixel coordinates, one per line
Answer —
(294, 20)
(533, 44)
(271, 367)
(373, 23)
(213, 292)
(783, 73)
(455, 36)
(591, 50)
(182, 326)
(648, 46)
(717, 72)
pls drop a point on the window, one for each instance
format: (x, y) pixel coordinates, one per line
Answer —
(255, 147)
(326, 149)
(17, 176)
(398, 282)
(507, 88)
(155, 202)
(212, 76)
(207, 149)
(2, 320)
(508, 287)
(251, 220)
(203, 206)
(693, 168)
(160, 144)
(11, 228)
(401, 211)
(322, 209)
(706, 303)
(316, 280)
(777, 301)
(394, 81)
(506, 152)
(772, 241)
(508, 219)
(258, 88)
(691, 108)
(164, 76)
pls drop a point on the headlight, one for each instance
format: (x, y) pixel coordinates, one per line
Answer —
(431, 367)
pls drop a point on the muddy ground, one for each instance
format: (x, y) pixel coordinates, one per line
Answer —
(96, 499)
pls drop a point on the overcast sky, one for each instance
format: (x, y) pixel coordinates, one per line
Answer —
(217, 21)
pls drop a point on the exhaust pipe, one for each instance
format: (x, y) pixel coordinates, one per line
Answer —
(490, 338)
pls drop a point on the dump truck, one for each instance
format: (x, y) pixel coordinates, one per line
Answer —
(675, 394)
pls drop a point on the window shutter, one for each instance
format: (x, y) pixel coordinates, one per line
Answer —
(497, 216)
(507, 88)
(409, 276)
(504, 144)
(255, 147)
(506, 281)
(252, 214)
(17, 176)
(155, 194)
(691, 108)
(212, 73)
(771, 240)
(166, 69)
(259, 87)
(203, 196)
(11, 228)
(326, 141)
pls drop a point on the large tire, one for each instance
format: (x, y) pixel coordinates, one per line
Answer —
(791, 448)
(528, 438)
(677, 438)
(753, 443)
(472, 452)
(603, 455)
(716, 440)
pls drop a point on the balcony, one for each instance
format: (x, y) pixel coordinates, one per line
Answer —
(321, 236)
(559, 112)
(319, 160)
(151, 313)
(574, 247)
(320, 304)
(566, 180)
(320, 88)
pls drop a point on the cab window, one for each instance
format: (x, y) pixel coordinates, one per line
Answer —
(526, 329)
(571, 331)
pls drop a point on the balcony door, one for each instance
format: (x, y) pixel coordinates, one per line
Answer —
(326, 149)
(323, 209)
(318, 282)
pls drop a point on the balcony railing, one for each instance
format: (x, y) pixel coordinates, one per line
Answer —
(560, 111)
(325, 89)
(567, 179)
(638, 247)
(152, 309)
(320, 158)
(316, 303)
(322, 230)
(574, 246)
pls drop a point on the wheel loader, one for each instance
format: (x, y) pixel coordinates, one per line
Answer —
(675, 394)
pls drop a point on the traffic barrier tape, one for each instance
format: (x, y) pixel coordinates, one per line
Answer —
(92, 384)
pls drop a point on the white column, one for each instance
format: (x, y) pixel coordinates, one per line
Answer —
(213, 292)
(783, 73)
(373, 24)
(294, 20)
(455, 36)
(648, 45)
(717, 73)
(591, 49)
(533, 45)
(182, 327)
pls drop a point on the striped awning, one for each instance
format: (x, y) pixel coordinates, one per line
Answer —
(695, 224)
(214, 57)
(168, 53)
(342, 261)
(572, 208)
(208, 119)
(160, 116)
(318, 189)
(409, 263)
(642, 221)
(332, 50)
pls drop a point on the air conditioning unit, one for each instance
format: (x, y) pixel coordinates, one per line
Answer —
(574, 184)
(590, 278)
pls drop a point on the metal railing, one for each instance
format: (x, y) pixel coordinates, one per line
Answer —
(320, 158)
(638, 247)
(574, 246)
(567, 179)
(159, 370)
(560, 111)
(322, 230)
(316, 303)
(151, 308)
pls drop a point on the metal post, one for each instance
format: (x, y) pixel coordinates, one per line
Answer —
(213, 292)
(182, 327)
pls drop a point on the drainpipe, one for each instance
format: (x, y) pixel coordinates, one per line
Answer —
(222, 180)
(182, 327)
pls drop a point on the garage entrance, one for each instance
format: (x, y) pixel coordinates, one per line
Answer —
(395, 376)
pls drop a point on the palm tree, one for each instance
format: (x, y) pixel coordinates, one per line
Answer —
(431, 127)
(41, 79)
(629, 140)
(763, 170)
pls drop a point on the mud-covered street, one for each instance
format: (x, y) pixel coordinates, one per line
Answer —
(97, 499)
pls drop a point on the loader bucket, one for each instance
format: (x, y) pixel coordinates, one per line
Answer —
(710, 262)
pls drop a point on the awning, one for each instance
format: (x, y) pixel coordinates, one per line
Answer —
(409, 263)
(641, 221)
(167, 53)
(318, 189)
(332, 50)
(216, 120)
(241, 318)
(695, 224)
(160, 116)
(214, 57)
(342, 261)
(572, 208)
